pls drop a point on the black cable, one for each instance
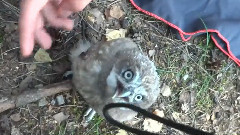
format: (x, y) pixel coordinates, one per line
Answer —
(170, 123)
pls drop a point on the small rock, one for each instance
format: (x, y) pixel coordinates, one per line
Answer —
(176, 116)
(116, 12)
(158, 113)
(125, 23)
(39, 86)
(122, 132)
(42, 102)
(185, 77)
(166, 91)
(24, 84)
(151, 53)
(60, 100)
(16, 117)
(152, 125)
(60, 117)
(53, 102)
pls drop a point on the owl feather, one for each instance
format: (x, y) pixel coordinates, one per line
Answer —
(114, 71)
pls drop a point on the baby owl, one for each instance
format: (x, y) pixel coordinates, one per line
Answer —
(112, 72)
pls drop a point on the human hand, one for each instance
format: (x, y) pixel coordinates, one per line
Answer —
(34, 15)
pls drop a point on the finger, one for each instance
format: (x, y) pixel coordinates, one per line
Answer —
(61, 23)
(50, 14)
(41, 35)
(43, 38)
(27, 21)
(67, 7)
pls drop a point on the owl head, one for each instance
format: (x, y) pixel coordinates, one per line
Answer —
(115, 71)
(133, 78)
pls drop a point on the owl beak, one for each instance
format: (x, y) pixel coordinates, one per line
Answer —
(122, 92)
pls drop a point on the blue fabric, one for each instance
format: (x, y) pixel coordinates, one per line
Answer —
(191, 15)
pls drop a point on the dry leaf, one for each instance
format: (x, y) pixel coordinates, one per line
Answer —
(166, 91)
(152, 125)
(16, 117)
(115, 34)
(159, 113)
(60, 117)
(176, 116)
(42, 56)
(116, 12)
(122, 132)
(91, 18)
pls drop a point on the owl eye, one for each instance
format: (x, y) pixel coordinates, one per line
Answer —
(138, 97)
(128, 75)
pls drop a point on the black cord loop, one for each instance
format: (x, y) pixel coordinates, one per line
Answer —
(170, 123)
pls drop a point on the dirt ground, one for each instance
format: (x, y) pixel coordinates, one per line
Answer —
(199, 83)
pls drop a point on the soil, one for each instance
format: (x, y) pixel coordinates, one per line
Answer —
(203, 82)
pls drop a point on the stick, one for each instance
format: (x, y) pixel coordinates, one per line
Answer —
(34, 95)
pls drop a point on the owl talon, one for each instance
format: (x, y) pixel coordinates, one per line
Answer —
(88, 115)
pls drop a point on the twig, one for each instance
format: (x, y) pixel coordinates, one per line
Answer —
(34, 95)
(9, 50)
